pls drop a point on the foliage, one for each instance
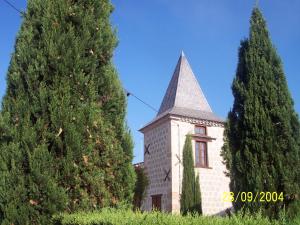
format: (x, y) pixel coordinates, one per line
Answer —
(116, 217)
(190, 200)
(140, 187)
(262, 135)
(64, 145)
(197, 207)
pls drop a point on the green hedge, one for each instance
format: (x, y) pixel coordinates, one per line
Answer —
(123, 217)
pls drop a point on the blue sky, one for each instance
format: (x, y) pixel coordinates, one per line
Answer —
(153, 33)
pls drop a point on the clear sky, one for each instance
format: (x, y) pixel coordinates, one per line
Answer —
(153, 33)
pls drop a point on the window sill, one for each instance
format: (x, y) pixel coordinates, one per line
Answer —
(202, 137)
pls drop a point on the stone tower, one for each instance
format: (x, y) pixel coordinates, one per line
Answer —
(184, 110)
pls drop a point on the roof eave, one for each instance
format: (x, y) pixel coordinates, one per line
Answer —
(169, 114)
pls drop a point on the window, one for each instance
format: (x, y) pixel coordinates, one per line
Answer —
(201, 159)
(200, 130)
(156, 202)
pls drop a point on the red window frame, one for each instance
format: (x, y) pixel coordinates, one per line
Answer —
(201, 156)
(200, 127)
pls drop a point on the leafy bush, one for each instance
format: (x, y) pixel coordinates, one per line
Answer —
(140, 187)
(115, 217)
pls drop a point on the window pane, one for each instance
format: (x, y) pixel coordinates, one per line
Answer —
(197, 156)
(202, 152)
(200, 130)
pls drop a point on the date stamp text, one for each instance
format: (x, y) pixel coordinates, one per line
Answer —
(252, 197)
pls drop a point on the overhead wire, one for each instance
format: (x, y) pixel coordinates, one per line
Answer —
(13, 6)
(145, 103)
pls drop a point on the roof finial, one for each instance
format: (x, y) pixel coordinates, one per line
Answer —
(182, 53)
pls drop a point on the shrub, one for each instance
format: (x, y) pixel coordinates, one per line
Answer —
(140, 187)
(115, 217)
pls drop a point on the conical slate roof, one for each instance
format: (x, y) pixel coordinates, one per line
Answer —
(184, 91)
(184, 96)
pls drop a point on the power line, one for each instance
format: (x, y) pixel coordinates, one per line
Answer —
(145, 103)
(12, 6)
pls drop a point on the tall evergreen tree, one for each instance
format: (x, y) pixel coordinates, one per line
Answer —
(63, 142)
(262, 135)
(190, 193)
(198, 205)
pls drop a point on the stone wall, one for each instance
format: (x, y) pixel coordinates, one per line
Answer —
(168, 134)
(157, 163)
(213, 182)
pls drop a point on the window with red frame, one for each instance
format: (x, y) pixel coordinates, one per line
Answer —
(201, 159)
(200, 130)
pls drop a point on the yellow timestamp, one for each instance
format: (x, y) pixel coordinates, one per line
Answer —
(252, 197)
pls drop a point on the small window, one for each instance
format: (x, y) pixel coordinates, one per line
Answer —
(201, 159)
(200, 130)
(156, 202)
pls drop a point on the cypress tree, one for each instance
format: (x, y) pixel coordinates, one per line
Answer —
(64, 145)
(198, 205)
(190, 200)
(262, 146)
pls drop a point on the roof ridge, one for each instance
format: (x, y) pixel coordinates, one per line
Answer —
(180, 64)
